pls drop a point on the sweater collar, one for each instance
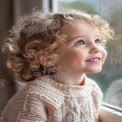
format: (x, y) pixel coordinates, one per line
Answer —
(48, 81)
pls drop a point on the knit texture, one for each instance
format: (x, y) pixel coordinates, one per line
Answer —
(45, 100)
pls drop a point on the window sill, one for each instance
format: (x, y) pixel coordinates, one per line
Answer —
(110, 113)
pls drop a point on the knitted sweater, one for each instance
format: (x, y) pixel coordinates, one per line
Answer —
(45, 100)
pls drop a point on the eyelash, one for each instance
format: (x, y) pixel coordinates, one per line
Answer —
(77, 43)
(98, 41)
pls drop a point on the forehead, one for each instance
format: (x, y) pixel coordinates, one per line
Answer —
(80, 28)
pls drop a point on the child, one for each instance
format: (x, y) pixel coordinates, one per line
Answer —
(51, 53)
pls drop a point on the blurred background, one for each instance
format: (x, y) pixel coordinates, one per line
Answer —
(110, 79)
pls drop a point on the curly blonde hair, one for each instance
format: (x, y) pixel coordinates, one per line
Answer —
(42, 32)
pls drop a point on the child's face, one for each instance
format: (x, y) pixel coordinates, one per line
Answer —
(84, 52)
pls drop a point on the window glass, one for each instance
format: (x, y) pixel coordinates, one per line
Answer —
(110, 79)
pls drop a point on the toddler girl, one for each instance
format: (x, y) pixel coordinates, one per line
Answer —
(52, 53)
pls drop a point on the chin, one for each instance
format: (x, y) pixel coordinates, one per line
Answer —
(95, 70)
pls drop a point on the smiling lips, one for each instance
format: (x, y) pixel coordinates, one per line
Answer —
(94, 60)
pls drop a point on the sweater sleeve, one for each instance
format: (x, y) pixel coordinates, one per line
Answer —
(30, 110)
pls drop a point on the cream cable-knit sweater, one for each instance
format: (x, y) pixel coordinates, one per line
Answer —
(45, 100)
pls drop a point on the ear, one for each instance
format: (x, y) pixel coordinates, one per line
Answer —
(46, 60)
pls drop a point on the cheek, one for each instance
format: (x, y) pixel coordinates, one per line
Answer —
(75, 58)
(104, 54)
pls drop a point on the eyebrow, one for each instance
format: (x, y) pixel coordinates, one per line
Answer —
(81, 37)
(71, 39)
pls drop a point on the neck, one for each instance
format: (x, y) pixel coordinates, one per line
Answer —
(69, 79)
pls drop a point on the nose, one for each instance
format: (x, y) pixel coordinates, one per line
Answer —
(94, 48)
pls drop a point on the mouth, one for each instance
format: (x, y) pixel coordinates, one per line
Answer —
(94, 60)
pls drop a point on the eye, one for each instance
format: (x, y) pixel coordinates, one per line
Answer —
(80, 42)
(98, 41)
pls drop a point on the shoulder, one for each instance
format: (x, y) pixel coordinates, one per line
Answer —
(94, 86)
(31, 101)
(44, 88)
(96, 92)
(24, 106)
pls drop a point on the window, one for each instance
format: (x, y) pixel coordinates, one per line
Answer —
(110, 79)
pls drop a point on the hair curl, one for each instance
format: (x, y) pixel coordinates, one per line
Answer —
(42, 32)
